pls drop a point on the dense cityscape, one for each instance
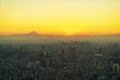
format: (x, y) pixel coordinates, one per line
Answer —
(60, 61)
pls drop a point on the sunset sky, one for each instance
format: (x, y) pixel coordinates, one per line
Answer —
(60, 17)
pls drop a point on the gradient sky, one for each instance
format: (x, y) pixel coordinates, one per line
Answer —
(60, 17)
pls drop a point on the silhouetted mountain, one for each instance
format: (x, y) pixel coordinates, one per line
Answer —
(33, 33)
(36, 38)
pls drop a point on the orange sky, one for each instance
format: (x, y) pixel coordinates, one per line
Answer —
(60, 17)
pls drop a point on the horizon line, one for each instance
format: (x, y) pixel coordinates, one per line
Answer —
(64, 35)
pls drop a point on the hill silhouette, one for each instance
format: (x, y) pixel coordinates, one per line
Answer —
(36, 38)
(34, 33)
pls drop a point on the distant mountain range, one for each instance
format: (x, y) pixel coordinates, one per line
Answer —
(34, 33)
(37, 38)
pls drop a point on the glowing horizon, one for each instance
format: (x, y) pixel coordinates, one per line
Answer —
(60, 17)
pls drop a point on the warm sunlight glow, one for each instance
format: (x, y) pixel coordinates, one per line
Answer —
(60, 17)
